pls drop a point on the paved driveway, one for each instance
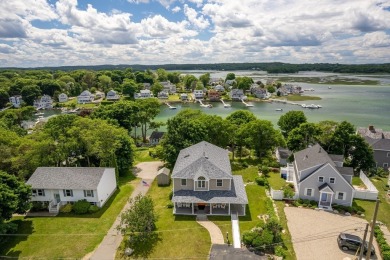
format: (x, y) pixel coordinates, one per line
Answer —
(314, 233)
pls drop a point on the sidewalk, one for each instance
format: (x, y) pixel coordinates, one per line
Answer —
(108, 247)
(214, 231)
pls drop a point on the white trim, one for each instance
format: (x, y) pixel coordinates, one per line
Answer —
(323, 179)
(338, 193)
(312, 191)
(385, 165)
(181, 182)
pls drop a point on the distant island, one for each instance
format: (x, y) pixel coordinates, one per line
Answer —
(271, 67)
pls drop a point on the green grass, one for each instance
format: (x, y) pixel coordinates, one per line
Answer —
(275, 181)
(249, 174)
(286, 236)
(142, 155)
(67, 235)
(384, 206)
(174, 97)
(179, 236)
(356, 181)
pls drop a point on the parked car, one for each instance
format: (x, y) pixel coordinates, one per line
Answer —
(352, 242)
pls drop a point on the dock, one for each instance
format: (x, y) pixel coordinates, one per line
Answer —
(170, 107)
(246, 104)
(224, 104)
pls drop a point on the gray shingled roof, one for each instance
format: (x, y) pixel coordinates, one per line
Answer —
(345, 170)
(156, 135)
(83, 178)
(381, 144)
(163, 171)
(336, 157)
(324, 186)
(237, 195)
(284, 152)
(373, 133)
(312, 156)
(208, 159)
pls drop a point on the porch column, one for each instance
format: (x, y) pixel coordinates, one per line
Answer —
(211, 208)
(331, 199)
(174, 207)
(319, 201)
(229, 208)
(192, 208)
(244, 205)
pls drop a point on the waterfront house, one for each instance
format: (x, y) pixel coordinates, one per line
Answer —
(168, 87)
(260, 92)
(112, 95)
(198, 94)
(43, 102)
(237, 94)
(203, 183)
(230, 82)
(163, 95)
(321, 177)
(58, 186)
(184, 97)
(214, 95)
(62, 98)
(85, 97)
(16, 101)
(144, 93)
(155, 137)
(379, 140)
(219, 88)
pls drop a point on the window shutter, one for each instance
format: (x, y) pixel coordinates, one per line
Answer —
(43, 192)
(85, 194)
(64, 193)
(71, 193)
(92, 193)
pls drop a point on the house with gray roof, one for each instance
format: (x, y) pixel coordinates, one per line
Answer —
(203, 183)
(320, 176)
(61, 185)
(379, 140)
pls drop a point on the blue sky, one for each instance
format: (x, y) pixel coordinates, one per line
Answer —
(84, 32)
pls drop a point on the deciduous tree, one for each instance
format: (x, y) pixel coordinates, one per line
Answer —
(291, 120)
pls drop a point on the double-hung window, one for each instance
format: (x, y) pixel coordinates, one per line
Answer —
(219, 183)
(201, 182)
(68, 193)
(332, 180)
(38, 192)
(88, 193)
(183, 182)
(320, 179)
(340, 195)
(309, 192)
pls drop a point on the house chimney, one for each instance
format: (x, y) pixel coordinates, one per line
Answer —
(319, 150)
(371, 128)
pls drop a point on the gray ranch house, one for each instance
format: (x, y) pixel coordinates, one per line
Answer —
(320, 176)
(379, 140)
(203, 183)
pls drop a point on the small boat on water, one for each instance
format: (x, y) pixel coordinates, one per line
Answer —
(329, 87)
(279, 109)
(39, 114)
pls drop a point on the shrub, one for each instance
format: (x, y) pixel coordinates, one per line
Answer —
(93, 209)
(280, 251)
(386, 255)
(81, 207)
(265, 170)
(288, 192)
(66, 208)
(39, 206)
(262, 181)
(244, 165)
(7, 228)
(170, 205)
(170, 195)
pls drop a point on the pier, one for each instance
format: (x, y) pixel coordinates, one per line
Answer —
(246, 104)
(204, 105)
(224, 104)
(170, 107)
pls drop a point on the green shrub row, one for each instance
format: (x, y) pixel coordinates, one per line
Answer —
(79, 207)
(383, 245)
(355, 209)
(262, 181)
(305, 203)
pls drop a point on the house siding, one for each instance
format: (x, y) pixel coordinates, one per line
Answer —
(327, 172)
(106, 186)
(225, 184)
(381, 158)
(77, 195)
(177, 185)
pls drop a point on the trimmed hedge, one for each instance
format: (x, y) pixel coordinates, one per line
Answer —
(383, 246)
(81, 207)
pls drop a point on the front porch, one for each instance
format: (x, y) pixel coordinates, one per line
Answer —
(222, 209)
(326, 197)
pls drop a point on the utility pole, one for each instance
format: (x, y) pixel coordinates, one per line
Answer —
(372, 230)
(363, 244)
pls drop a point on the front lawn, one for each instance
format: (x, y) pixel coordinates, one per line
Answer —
(356, 181)
(180, 237)
(384, 206)
(275, 181)
(67, 235)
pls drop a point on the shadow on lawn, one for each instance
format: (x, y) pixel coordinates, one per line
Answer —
(143, 249)
(25, 228)
(247, 216)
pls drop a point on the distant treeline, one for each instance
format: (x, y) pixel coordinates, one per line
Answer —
(274, 67)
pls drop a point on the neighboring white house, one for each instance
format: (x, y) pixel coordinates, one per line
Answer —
(237, 94)
(144, 93)
(43, 102)
(62, 185)
(163, 94)
(62, 97)
(112, 95)
(198, 93)
(85, 97)
(183, 97)
(16, 101)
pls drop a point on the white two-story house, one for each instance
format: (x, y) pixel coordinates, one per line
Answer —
(203, 183)
(61, 185)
